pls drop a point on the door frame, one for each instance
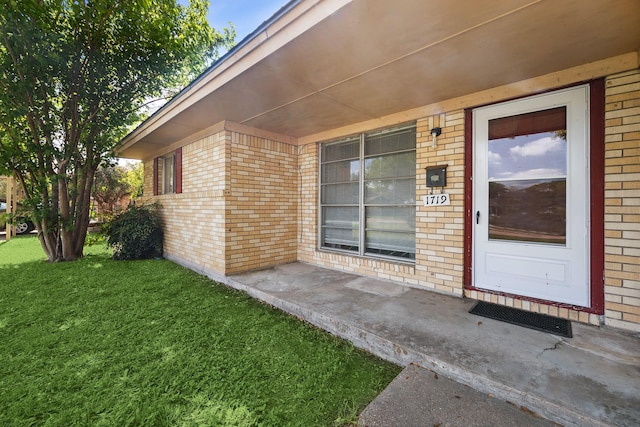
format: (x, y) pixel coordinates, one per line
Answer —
(596, 162)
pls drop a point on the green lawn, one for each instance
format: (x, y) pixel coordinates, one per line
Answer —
(148, 343)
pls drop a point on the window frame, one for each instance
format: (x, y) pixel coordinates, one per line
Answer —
(364, 205)
(159, 173)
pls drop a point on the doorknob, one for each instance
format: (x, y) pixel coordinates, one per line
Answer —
(478, 217)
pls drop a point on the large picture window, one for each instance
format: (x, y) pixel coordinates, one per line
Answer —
(368, 194)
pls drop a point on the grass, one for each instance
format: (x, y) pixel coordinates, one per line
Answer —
(148, 343)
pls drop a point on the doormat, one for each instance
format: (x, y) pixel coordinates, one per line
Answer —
(539, 322)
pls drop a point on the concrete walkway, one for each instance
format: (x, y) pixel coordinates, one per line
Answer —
(590, 379)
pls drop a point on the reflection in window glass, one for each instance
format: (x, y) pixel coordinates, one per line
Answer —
(527, 169)
(534, 156)
(168, 175)
(530, 210)
(340, 194)
(388, 161)
(341, 227)
(390, 191)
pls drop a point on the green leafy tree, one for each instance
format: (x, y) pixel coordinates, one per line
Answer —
(74, 75)
(134, 178)
(109, 188)
(113, 183)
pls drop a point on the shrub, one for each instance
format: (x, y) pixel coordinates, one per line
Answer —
(94, 238)
(135, 233)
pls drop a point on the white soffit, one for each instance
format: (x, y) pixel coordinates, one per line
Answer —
(326, 64)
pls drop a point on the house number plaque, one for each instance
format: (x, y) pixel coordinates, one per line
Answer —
(437, 200)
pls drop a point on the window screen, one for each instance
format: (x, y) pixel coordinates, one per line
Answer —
(367, 195)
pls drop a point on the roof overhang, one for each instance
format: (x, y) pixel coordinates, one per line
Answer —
(325, 64)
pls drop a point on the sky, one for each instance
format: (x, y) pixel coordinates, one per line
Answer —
(246, 15)
(541, 155)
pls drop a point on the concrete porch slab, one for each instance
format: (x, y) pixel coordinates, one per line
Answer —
(591, 379)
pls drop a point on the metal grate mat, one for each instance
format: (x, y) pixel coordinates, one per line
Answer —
(539, 322)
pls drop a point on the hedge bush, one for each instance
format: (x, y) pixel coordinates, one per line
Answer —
(135, 233)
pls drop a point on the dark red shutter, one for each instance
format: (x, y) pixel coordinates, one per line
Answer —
(156, 167)
(178, 170)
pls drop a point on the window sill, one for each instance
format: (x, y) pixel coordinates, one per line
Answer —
(368, 258)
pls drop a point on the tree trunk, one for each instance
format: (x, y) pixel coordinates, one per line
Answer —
(47, 231)
(83, 206)
(49, 243)
(66, 223)
(63, 240)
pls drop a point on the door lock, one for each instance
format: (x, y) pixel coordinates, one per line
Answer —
(478, 217)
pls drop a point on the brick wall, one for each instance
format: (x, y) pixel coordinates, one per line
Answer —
(147, 183)
(307, 232)
(439, 234)
(262, 204)
(622, 200)
(194, 221)
(238, 209)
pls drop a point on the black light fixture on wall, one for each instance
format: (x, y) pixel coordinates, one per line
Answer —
(435, 132)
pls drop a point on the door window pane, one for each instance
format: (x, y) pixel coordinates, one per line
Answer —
(541, 155)
(527, 169)
(530, 210)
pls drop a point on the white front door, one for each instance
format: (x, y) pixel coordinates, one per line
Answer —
(531, 197)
